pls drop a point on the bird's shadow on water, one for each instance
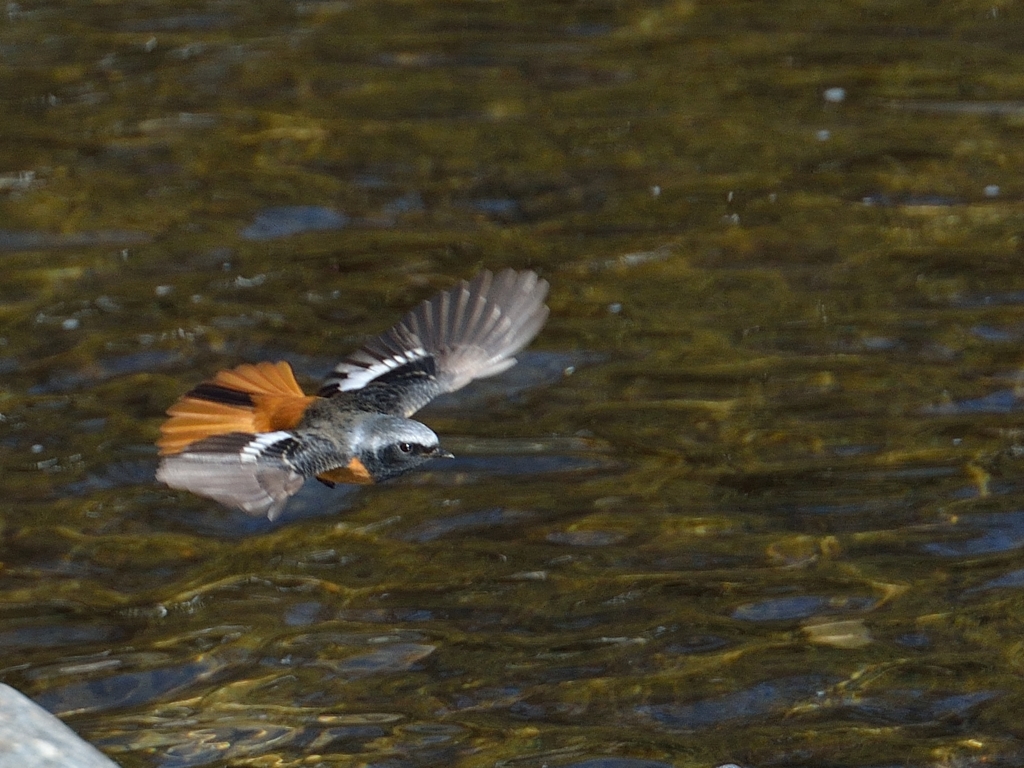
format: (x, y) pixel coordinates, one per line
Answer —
(317, 501)
(209, 519)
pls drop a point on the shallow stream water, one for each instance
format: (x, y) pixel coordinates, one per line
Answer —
(755, 495)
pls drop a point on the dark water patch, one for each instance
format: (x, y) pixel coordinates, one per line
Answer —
(378, 177)
(767, 699)
(591, 29)
(990, 108)
(982, 534)
(503, 209)
(408, 203)
(31, 637)
(191, 22)
(485, 698)
(915, 640)
(303, 614)
(105, 368)
(1001, 402)
(879, 344)
(127, 689)
(910, 201)
(840, 508)
(994, 299)
(389, 615)
(914, 707)
(1012, 580)
(544, 711)
(500, 466)
(329, 655)
(996, 334)
(92, 425)
(306, 647)
(113, 475)
(182, 512)
(285, 221)
(41, 241)
(618, 762)
(471, 521)
(395, 210)
(139, 362)
(699, 561)
(390, 659)
(172, 123)
(589, 538)
(850, 499)
(420, 608)
(577, 672)
(426, 608)
(800, 607)
(56, 569)
(697, 644)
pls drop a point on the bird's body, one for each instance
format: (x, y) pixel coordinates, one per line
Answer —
(250, 437)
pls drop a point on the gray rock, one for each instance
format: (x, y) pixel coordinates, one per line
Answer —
(30, 737)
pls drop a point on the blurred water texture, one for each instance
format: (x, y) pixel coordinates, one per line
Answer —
(754, 496)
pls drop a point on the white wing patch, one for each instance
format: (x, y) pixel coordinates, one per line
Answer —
(355, 374)
(255, 448)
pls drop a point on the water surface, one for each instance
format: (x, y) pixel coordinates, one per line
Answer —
(753, 496)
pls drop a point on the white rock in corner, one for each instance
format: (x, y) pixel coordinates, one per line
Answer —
(30, 737)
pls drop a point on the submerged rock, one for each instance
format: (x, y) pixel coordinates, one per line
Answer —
(287, 220)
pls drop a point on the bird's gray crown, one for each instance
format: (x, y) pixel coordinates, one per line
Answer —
(380, 431)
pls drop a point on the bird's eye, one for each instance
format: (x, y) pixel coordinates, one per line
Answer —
(405, 447)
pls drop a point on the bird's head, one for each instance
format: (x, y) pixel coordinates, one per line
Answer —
(390, 446)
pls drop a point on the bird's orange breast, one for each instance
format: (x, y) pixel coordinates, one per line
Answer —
(354, 472)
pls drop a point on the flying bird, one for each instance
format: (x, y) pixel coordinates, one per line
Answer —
(250, 437)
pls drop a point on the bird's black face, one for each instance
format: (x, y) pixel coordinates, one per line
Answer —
(400, 457)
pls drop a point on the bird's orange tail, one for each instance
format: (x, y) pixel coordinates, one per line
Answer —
(250, 398)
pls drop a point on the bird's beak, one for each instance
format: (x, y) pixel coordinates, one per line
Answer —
(440, 453)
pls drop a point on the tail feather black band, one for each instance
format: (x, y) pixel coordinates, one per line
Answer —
(216, 393)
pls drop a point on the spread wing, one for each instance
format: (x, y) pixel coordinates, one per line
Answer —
(467, 332)
(250, 472)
